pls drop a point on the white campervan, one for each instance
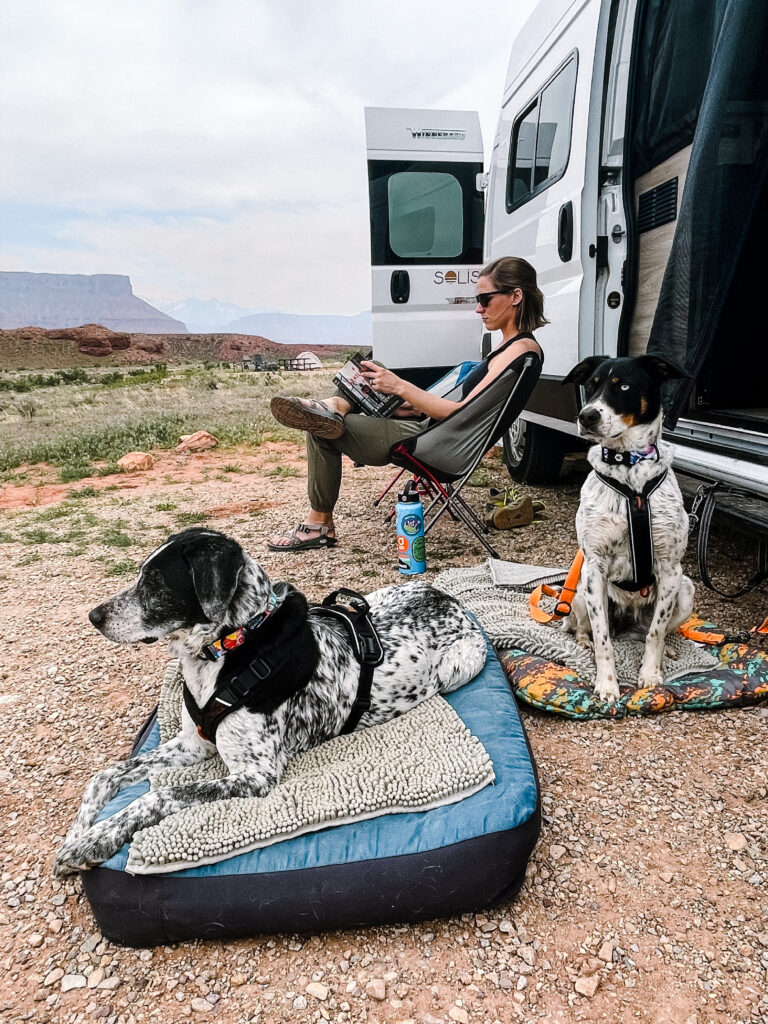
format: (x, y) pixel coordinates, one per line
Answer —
(629, 167)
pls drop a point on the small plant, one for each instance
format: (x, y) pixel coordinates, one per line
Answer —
(282, 471)
(5, 538)
(29, 559)
(84, 492)
(114, 537)
(69, 473)
(125, 567)
(37, 535)
(231, 467)
(165, 506)
(190, 518)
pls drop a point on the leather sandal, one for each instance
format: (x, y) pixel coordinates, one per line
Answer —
(297, 543)
(307, 414)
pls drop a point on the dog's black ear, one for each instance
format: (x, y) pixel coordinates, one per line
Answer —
(583, 370)
(215, 562)
(661, 368)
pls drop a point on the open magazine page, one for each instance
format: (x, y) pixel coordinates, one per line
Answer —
(359, 393)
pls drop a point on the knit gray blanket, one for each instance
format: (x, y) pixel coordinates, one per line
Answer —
(503, 613)
(424, 759)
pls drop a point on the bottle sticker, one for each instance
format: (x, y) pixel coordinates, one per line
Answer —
(402, 544)
(419, 550)
(411, 524)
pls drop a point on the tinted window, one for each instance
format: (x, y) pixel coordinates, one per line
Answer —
(553, 141)
(541, 138)
(524, 148)
(425, 212)
(426, 217)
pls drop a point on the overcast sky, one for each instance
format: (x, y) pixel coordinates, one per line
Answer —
(216, 148)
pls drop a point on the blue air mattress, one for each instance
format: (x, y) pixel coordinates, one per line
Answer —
(400, 867)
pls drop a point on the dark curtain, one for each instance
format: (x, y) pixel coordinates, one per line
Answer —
(727, 170)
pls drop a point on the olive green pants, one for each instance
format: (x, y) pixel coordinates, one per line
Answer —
(366, 440)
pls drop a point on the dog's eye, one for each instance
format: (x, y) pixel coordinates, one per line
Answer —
(624, 387)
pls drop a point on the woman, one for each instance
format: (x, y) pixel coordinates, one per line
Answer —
(508, 300)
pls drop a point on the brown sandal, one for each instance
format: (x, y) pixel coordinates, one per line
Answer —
(307, 414)
(295, 543)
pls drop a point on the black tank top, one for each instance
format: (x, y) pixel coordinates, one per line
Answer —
(480, 372)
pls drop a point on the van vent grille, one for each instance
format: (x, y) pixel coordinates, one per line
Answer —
(657, 206)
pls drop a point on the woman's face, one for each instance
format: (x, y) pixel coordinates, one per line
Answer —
(501, 309)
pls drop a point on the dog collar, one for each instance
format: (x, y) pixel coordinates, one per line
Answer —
(231, 641)
(631, 458)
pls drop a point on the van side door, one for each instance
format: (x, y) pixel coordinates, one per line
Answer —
(541, 205)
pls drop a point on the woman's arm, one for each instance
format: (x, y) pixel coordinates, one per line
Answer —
(434, 406)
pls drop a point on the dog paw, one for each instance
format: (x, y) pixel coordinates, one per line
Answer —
(63, 867)
(607, 691)
(649, 678)
(584, 641)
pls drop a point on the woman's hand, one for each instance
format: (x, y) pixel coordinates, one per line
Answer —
(382, 379)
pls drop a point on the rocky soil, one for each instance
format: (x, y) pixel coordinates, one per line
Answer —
(645, 899)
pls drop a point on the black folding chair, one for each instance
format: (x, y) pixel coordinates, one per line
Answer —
(445, 455)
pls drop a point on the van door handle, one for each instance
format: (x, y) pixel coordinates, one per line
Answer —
(565, 232)
(400, 286)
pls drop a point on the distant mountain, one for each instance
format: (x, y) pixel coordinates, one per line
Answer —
(69, 300)
(211, 316)
(206, 316)
(296, 329)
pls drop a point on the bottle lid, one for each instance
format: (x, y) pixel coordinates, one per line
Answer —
(410, 494)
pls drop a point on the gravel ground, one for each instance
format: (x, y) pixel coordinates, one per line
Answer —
(645, 899)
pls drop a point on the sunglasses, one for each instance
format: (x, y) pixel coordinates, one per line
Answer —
(485, 297)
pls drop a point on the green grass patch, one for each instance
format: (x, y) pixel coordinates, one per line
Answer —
(83, 492)
(281, 471)
(5, 538)
(105, 444)
(191, 518)
(125, 567)
(114, 537)
(166, 506)
(29, 559)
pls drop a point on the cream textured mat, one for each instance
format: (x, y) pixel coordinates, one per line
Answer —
(424, 759)
(503, 613)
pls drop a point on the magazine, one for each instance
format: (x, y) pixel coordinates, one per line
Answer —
(359, 393)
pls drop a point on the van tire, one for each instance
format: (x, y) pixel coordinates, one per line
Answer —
(534, 454)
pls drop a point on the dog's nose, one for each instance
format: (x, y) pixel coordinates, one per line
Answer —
(589, 417)
(97, 615)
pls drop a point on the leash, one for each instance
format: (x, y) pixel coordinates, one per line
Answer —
(564, 597)
(700, 631)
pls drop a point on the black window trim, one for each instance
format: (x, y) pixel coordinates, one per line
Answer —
(535, 103)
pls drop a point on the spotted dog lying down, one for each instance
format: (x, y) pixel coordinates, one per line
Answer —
(631, 523)
(198, 588)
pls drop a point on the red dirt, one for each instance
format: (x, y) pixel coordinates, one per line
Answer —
(182, 468)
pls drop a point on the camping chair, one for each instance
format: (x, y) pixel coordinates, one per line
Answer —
(449, 386)
(445, 455)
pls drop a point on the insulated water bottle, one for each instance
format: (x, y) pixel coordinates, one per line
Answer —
(409, 525)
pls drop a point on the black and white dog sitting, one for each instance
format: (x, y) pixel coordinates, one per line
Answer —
(199, 587)
(631, 523)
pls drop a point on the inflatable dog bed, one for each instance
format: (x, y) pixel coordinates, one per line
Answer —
(443, 826)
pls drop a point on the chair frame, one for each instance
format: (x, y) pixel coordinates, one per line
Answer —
(447, 497)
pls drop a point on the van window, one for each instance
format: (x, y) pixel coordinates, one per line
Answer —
(424, 212)
(541, 138)
(425, 215)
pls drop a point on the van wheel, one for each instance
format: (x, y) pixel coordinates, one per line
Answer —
(533, 454)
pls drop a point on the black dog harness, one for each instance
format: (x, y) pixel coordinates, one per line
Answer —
(640, 535)
(273, 657)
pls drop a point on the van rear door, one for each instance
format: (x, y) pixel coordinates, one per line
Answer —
(426, 237)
